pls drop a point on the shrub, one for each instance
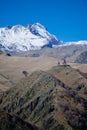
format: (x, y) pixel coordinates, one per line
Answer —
(25, 73)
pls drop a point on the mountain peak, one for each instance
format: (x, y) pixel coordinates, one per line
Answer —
(24, 38)
(39, 25)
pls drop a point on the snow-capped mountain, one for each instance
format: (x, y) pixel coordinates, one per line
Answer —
(24, 38)
(84, 42)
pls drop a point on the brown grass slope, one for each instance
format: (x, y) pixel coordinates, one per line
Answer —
(12, 122)
(12, 67)
(54, 100)
(5, 83)
(71, 77)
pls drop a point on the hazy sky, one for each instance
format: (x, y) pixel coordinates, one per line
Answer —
(67, 19)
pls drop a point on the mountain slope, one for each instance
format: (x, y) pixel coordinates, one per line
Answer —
(24, 38)
(51, 100)
(72, 78)
(12, 122)
(82, 58)
(68, 52)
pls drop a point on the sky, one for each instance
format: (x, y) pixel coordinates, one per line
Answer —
(67, 19)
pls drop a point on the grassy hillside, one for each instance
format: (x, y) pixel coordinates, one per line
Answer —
(5, 83)
(12, 122)
(13, 66)
(71, 77)
(53, 100)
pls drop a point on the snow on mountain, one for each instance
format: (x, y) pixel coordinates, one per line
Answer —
(31, 37)
(23, 38)
(84, 42)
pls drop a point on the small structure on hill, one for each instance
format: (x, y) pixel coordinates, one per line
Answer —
(64, 62)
